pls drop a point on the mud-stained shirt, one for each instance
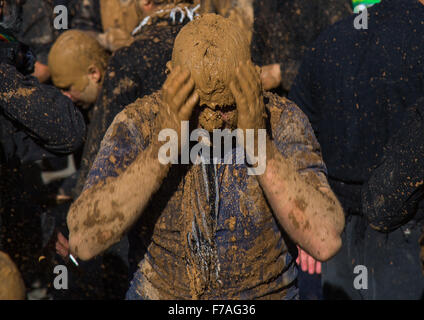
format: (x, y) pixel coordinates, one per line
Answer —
(208, 232)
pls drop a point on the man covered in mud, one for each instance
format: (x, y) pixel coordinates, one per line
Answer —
(209, 230)
(136, 70)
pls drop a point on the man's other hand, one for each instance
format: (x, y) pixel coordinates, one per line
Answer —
(307, 263)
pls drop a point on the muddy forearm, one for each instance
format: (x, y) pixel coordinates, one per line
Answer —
(103, 213)
(311, 216)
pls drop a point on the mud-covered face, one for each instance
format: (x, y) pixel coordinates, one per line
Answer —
(77, 62)
(211, 48)
(84, 97)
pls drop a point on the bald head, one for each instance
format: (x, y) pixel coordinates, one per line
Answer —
(211, 47)
(77, 61)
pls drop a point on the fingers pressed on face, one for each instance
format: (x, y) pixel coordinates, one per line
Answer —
(184, 92)
(178, 82)
(253, 77)
(171, 77)
(238, 96)
(187, 109)
(244, 80)
(245, 75)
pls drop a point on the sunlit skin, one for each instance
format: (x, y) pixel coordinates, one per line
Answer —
(89, 94)
(41, 72)
(271, 76)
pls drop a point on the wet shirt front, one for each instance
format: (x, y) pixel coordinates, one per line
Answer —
(209, 232)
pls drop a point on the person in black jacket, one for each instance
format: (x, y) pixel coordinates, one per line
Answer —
(282, 31)
(357, 87)
(36, 121)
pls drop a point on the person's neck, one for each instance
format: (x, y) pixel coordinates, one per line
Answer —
(422, 2)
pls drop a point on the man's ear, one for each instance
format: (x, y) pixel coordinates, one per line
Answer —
(169, 67)
(94, 73)
(258, 69)
(147, 4)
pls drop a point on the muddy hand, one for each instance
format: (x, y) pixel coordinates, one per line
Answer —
(247, 91)
(114, 39)
(271, 76)
(179, 99)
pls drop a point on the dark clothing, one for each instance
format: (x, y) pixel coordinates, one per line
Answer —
(37, 29)
(356, 87)
(391, 259)
(32, 112)
(283, 29)
(391, 195)
(133, 72)
(35, 119)
(422, 250)
(87, 16)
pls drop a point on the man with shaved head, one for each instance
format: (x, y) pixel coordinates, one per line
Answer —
(209, 230)
(77, 64)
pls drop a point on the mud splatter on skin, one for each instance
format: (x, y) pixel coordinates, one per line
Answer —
(292, 218)
(300, 202)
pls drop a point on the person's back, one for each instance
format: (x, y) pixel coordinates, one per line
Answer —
(283, 29)
(355, 86)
